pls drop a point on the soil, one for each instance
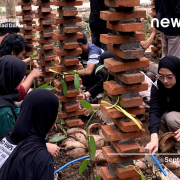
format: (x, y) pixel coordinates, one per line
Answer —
(129, 94)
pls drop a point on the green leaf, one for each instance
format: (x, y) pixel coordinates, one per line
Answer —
(47, 87)
(76, 82)
(92, 146)
(62, 122)
(99, 68)
(59, 106)
(64, 86)
(142, 177)
(83, 166)
(32, 56)
(98, 178)
(57, 138)
(86, 105)
(53, 63)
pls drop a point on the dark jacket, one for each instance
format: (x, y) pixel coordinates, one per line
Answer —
(170, 9)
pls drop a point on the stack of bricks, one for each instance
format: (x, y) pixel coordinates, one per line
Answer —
(156, 50)
(27, 22)
(46, 40)
(124, 43)
(68, 53)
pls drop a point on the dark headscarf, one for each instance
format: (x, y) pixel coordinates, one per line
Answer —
(170, 98)
(30, 159)
(12, 71)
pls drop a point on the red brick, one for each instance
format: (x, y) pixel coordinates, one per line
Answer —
(22, 13)
(44, 63)
(63, 115)
(41, 41)
(25, 31)
(111, 135)
(45, 15)
(46, 22)
(70, 29)
(129, 78)
(112, 39)
(131, 102)
(48, 58)
(153, 15)
(44, 10)
(70, 62)
(159, 38)
(62, 68)
(75, 123)
(27, 22)
(69, 77)
(68, 3)
(126, 148)
(59, 52)
(129, 27)
(67, 99)
(49, 34)
(126, 54)
(26, 8)
(71, 108)
(159, 45)
(28, 28)
(116, 16)
(29, 36)
(78, 35)
(31, 40)
(154, 49)
(113, 113)
(153, 6)
(27, 18)
(47, 47)
(110, 157)
(59, 20)
(115, 89)
(127, 173)
(119, 3)
(127, 126)
(43, 3)
(118, 66)
(106, 175)
(42, 28)
(67, 13)
(73, 45)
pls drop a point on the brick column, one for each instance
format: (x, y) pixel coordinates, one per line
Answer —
(68, 52)
(28, 29)
(46, 40)
(124, 43)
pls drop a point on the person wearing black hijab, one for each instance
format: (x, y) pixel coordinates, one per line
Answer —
(164, 104)
(24, 155)
(12, 71)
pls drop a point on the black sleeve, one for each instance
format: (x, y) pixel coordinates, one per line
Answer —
(155, 112)
(48, 173)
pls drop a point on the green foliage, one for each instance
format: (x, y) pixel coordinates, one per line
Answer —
(47, 87)
(99, 68)
(0, 9)
(86, 105)
(98, 178)
(62, 122)
(57, 138)
(87, 28)
(53, 63)
(92, 146)
(76, 82)
(64, 87)
(83, 166)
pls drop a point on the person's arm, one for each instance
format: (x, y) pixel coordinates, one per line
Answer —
(88, 112)
(89, 70)
(36, 73)
(148, 42)
(154, 120)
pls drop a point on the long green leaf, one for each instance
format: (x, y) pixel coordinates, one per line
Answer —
(49, 88)
(143, 177)
(92, 146)
(53, 63)
(83, 166)
(76, 82)
(64, 86)
(86, 105)
(62, 122)
(57, 138)
(99, 68)
(98, 178)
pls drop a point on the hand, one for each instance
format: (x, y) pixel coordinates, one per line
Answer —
(36, 73)
(37, 57)
(177, 137)
(53, 149)
(152, 147)
(87, 112)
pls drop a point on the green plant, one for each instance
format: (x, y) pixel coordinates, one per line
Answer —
(36, 35)
(148, 26)
(87, 28)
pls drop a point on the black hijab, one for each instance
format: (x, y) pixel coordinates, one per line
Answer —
(30, 159)
(170, 98)
(12, 71)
